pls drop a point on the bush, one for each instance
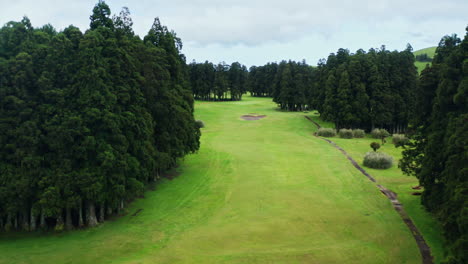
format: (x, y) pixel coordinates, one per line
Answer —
(375, 133)
(399, 140)
(345, 133)
(200, 124)
(375, 146)
(326, 132)
(358, 133)
(380, 133)
(378, 160)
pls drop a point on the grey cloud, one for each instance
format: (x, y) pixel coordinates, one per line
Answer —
(256, 31)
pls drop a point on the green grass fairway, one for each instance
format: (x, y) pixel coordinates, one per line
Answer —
(394, 180)
(262, 191)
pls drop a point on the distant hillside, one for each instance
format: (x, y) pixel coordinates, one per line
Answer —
(430, 53)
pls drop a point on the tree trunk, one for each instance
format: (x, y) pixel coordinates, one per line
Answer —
(92, 220)
(25, 220)
(42, 223)
(80, 216)
(15, 221)
(101, 212)
(68, 219)
(59, 225)
(8, 222)
(109, 211)
(32, 220)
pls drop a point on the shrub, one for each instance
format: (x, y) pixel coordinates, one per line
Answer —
(326, 132)
(399, 140)
(375, 146)
(200, 124)
(345, 133)
(378, 160)
(358, 133)
(380, 133)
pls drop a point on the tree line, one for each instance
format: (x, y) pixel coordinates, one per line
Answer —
(87, 120)
(219, 82)
(423, 58)
(360, 90)
(261, 80)
(437, 153)
(288, 82)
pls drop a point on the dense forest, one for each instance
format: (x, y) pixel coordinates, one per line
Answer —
(438, 152)
(218, 82)
(361, 90)
(261, 81)
(88, 119)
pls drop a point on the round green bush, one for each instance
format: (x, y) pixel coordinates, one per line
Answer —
(359, 133)
(345, 133)
(375, 133)
(399, 140)
(380, 133)
(375, 146)
(378, 160)
(200, 124)
(326, 132)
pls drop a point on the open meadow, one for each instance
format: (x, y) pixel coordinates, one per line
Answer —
(258, 191)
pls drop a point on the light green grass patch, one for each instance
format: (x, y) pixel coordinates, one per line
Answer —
(430, 52)
(264, 191)
(396, 181)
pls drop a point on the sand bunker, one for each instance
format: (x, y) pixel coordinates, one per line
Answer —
(252, 117)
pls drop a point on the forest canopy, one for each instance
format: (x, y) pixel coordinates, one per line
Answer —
(438, 151)
(87, 120)
(360, 90)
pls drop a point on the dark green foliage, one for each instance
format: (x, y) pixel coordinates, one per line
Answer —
(423, 58)
(375, 146)
(345, 133)
(87, 120)
(360, 90)
(326, 132)
(437, 153)
(291, 85)
(366, 89)
(200, 124)
(377, 160)
(101, 16)
(261, 80)
(218, 82)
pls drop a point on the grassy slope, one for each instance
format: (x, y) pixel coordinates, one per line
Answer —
(394, 180)
(257, 192)
(430, 52)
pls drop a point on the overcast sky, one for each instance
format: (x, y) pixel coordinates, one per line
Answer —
(255, 32)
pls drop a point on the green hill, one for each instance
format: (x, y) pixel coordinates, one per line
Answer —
(429, 51)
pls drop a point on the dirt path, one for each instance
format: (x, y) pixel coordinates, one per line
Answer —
(424, 249)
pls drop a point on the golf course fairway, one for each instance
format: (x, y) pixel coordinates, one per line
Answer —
(258, 191)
